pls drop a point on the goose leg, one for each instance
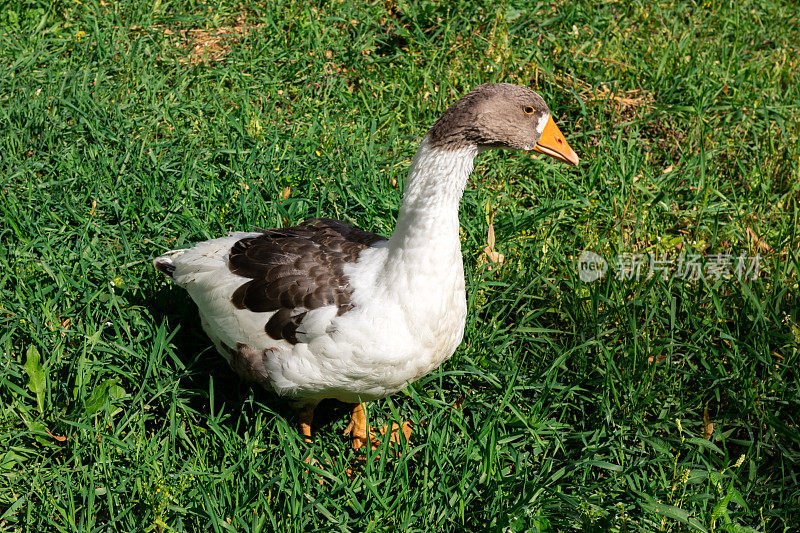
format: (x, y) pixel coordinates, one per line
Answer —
(306, 417)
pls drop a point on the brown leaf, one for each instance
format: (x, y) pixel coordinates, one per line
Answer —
(58, 438)
(491, 254)
(285, 193)
(458, 403)
(761, 245)
(708, 425)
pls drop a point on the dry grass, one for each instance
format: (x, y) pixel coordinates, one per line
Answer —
(206, 46)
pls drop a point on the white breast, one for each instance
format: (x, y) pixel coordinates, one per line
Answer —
(392, 337)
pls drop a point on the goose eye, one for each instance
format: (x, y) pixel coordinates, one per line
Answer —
(528, 110)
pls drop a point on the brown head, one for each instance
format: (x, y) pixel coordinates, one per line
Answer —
(501, 115)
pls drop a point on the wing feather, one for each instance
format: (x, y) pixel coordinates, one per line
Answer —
(294, 270)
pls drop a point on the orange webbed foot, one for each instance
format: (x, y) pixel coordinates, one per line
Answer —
(361, 434)
(394, 435)
(358, 431)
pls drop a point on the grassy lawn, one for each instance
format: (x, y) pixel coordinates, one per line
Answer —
(662, 403)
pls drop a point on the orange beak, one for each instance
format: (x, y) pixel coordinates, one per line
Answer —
(555, 145)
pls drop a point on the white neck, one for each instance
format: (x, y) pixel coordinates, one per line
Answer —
(426, 234)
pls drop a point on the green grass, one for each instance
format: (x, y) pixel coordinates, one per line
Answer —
(582, 405)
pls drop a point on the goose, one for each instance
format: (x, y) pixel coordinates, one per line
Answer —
(327, 310)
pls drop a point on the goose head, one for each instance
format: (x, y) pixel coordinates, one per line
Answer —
(501, 115)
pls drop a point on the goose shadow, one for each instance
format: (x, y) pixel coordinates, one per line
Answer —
(171, 306)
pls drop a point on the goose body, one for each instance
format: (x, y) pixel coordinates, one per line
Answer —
(327, 310)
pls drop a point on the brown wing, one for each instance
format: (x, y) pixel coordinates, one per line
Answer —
(297, 269)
